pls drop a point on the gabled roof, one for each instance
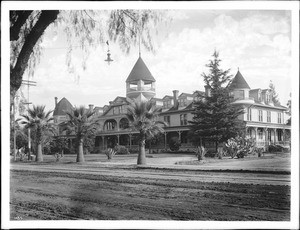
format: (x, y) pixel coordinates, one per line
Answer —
(254, 90)
(140, 72)
(198, 92)
(186, 94)
(62, 107)
(239, 82)
(265, 90)
(120, 99)
(167, 96)
(156, 99)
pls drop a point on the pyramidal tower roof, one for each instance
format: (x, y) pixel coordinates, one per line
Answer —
(239, 82)
(62, 107)
(140, 72)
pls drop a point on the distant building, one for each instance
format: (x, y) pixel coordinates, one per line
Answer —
(264, 121)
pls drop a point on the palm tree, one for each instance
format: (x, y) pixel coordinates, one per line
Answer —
(143, 118)
(39, 121)
(82, 123)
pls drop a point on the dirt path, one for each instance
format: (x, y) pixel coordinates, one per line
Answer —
(131, 194)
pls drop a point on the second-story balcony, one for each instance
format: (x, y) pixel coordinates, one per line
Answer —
(145, 89)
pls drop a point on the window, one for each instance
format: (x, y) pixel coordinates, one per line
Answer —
(167, 119)
(259, 96)
(182, 102)
(110, 125)
(183, 119)
(267, 98)
(167, 103)
(279, 118)
(249, 115)
(260, 115)
(268, 116)
(116, 110)
(124, 123)
(239, 94)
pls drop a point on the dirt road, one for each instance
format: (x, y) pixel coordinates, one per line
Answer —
(115, 193)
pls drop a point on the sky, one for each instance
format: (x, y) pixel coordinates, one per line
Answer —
(258, 42)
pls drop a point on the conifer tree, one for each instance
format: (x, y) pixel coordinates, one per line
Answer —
(215, 117)
(274, 94)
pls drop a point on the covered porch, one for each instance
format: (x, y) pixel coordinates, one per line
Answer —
(265, 136)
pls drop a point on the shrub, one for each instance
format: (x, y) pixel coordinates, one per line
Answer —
(275, 148)
(259, 151)
(239, 146)
(200, 152)
(133, 150)
(58, 156)
(210, 153)
(121, 149)
(174, 144)
(110, 153)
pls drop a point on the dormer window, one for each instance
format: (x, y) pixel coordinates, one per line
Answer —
(267, 98)
(259, 96)
(182, 102)
(167, 103)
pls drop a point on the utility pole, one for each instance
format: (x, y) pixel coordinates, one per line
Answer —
(28, 83)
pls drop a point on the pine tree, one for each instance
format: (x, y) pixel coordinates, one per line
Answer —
(274, 94)
(215, 117)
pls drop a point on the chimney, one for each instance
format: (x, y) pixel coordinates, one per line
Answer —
(175, 97)
(55, 101)
(207, 90)
(91, 106)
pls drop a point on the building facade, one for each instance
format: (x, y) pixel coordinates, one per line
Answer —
(264, 121)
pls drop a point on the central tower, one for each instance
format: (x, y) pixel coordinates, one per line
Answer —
(140, 84)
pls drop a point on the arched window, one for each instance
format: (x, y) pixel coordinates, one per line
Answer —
(124, 123)
(110, 125)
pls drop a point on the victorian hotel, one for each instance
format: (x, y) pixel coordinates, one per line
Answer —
(265, 121)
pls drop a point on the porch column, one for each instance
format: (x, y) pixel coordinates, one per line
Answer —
(165, 140)
(118, 136)
(275, 135)
(283, 136)
(256, 134)
(103, 141)
(130, 140)
(179, 135)
(266, 137)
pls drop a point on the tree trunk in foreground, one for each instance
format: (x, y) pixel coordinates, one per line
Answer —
(80, 156)
(39, 153)
(17, 71)
(142, 154)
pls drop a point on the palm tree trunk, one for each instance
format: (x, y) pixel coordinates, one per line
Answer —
(39, 153)
(142, 154)
(80, 157)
